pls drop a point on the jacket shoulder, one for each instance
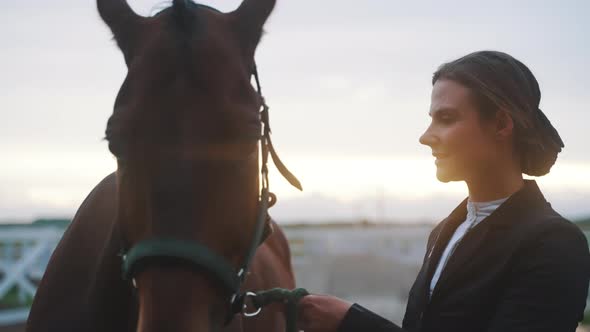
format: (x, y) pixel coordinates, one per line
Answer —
(547, 238)
(548, 223)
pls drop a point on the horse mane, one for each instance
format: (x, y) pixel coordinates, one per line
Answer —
(183, 15)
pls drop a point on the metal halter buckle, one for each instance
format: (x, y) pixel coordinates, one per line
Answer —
(249, 314)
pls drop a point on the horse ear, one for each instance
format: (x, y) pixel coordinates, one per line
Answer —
(249, 20)
(123, 22)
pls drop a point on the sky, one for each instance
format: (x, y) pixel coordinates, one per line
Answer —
(348, 83)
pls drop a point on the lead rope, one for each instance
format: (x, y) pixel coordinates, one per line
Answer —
(289, 298)
(280, 295)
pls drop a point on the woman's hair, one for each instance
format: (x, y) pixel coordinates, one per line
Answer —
(500, 82)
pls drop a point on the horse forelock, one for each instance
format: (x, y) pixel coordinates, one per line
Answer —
(185, 13)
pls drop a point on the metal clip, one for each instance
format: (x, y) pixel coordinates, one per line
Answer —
(250, 314)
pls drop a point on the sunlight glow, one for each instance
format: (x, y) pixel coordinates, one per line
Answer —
(403, 178)
(46, 181)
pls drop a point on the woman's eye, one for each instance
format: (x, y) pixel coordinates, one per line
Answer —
(446, 119)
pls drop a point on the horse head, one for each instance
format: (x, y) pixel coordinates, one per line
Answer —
(184, 130)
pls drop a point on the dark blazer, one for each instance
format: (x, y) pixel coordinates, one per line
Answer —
(523, 268)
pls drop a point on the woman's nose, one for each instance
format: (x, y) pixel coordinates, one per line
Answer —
(428, 137)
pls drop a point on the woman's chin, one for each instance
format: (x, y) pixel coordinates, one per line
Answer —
(443, 178)
(445, 175)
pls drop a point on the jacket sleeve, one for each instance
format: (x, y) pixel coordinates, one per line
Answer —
(359, 318)
(548, 286)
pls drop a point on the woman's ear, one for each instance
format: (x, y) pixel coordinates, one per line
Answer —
(504, 125)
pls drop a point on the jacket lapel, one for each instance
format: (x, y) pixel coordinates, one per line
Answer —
(466, 250)
(421, 288)
(448, 228)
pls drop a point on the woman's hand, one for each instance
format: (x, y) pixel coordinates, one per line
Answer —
(321, 313)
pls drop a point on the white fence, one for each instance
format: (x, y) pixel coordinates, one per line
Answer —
(24, 254)
(373, 265)
(405, 244)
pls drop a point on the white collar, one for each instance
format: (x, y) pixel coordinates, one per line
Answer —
(480, 210)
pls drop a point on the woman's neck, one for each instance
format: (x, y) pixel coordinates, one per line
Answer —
(494, 185)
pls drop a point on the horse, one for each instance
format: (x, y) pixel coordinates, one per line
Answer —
(178, 238)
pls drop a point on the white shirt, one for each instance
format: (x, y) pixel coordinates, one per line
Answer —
(476, 212)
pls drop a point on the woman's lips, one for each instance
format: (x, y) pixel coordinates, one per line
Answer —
(440, 157)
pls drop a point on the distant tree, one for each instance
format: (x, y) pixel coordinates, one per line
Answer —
(61, 223)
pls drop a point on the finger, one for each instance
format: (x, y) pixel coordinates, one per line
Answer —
(305, 312)
(305, 304)
(307, 298)
(303, 323)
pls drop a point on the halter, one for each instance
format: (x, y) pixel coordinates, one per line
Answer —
(192, 253)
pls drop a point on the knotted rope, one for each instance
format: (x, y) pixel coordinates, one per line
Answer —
(280, 295)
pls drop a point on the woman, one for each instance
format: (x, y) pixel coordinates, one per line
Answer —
(504, 260)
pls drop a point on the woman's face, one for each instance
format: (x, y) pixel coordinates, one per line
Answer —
(463, 144)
